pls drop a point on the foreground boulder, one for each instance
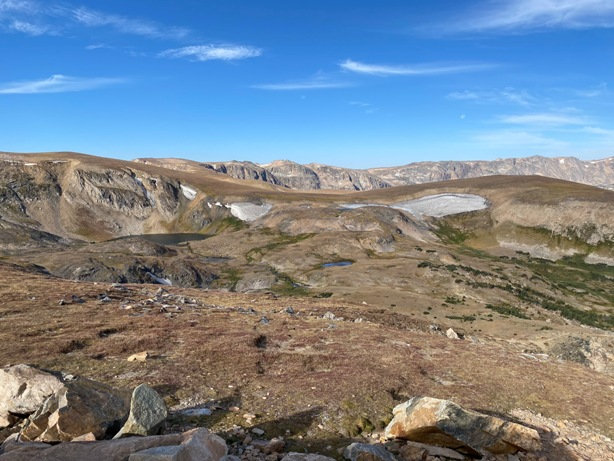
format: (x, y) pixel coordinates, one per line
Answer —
(78, 407)
(147, 413)
(197, 445)
(444, 423)
(194, 445)
(366, 452)
(23, 391)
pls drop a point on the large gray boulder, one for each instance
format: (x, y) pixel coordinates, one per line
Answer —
(444, 423)
(78, 407)
(104, 450)
(147, 413)
(367, 452)
(23, 389)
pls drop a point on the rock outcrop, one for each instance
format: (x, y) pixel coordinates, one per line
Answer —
(444, 423)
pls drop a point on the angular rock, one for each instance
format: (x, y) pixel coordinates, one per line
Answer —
(450, 333)
(139, 357)
(444, 423)
(293, 456)
(201, 445)
(147, 413)
(104, 450)
(366, 452)
(77, 408)
(23, 389)
(414, 451)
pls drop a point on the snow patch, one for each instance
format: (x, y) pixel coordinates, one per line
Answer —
(433, 205)
(597, 259)
(160, 280)
(442, 204)
(188, 192)
(246, 211)
(147, 194)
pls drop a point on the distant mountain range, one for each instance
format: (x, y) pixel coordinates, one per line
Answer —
(315, 176)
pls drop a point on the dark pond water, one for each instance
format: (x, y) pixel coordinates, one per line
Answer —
(338, 264)
(168, 239)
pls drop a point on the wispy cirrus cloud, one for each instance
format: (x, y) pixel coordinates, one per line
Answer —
(30, 28)
(319, 82)
(213, 52)
(58, 84)
(34, 17)
(534, 15)
(94, 18)
(547, 119)
(383, 70)
(505, 95)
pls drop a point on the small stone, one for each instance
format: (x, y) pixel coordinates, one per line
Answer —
(264, 321)
(89, 437)
(139, 357)
(257, 431)
(450, 333)
(329, 316)
(290, 310)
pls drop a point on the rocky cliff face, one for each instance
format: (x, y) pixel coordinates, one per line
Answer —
(313, 176)
(598, 173)
(91, 201)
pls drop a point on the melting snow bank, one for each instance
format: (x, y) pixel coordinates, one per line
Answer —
(442, 204)
(188, 192)
(433, 205)
(246, 211)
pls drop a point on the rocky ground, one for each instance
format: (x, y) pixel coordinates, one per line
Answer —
(318, 373)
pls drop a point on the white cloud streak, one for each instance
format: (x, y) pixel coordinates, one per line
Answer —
(94, 18)
(58, 84)
(527, 15)
(213, 52)
(316, 83)
(37, 18)
(506, 95)
(383, 70)
(549, 119)
(29, 28)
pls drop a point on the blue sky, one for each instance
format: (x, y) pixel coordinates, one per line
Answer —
(351, 83)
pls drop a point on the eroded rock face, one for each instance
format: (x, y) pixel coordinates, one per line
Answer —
(76, 408)
(444, 423)
(23, 389)
(147, 413)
